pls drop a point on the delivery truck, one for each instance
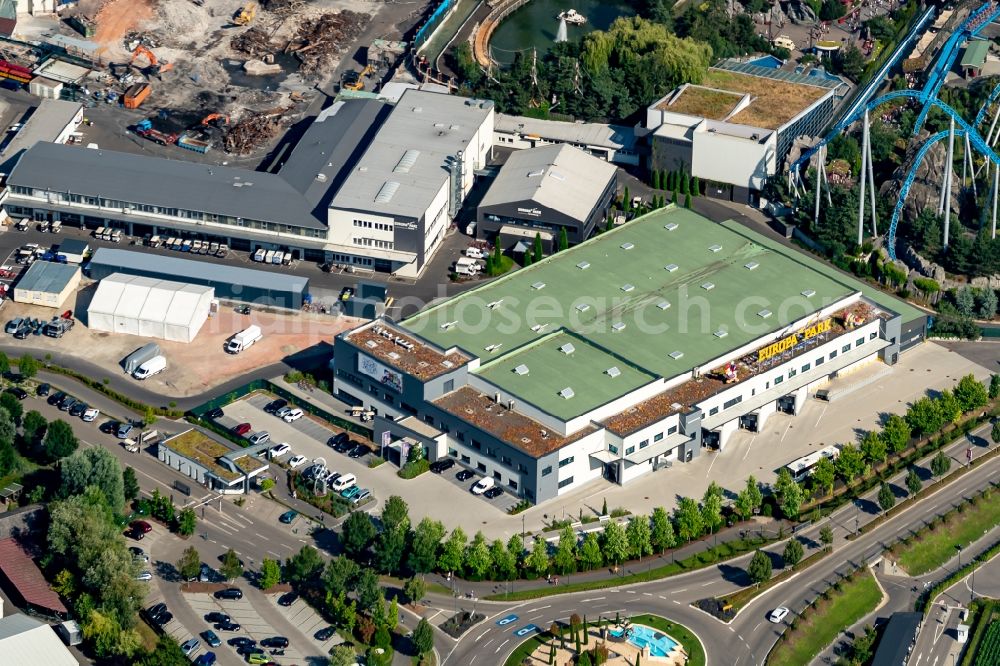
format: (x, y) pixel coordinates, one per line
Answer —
(153, 366)
(140, 356)
(244, 339)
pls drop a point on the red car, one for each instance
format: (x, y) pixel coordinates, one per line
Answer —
(141, 526)
(242, 428)
(68, 314)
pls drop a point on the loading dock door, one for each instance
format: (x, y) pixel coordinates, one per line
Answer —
(786, 404)
(749, 422)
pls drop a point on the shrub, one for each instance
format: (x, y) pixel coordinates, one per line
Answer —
(413, 469)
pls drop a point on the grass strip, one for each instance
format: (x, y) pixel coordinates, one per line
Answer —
(807, 636)
(743, 597)
(984, 614)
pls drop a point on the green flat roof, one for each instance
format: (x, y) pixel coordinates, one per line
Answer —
(611, 291)
(975, 53)
(545, 366)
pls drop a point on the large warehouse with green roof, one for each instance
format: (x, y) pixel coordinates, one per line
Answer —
(618, 356)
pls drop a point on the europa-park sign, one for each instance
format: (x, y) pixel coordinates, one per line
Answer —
(792, 340)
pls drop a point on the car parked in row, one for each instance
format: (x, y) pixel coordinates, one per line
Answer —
(297, 461)
(275, 405)
(189, 646)
(292, 415)
(229, 593)
(288, 517)
(287, 599)
(17, 392)
(341, 442)
(443, 465)
(211, 639)
(482, 485)
(279, 449)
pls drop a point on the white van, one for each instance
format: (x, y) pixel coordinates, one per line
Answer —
(466, 266)
(153, 366)
(244, 339)
(55, 227)
(475, 253)
(343, 482)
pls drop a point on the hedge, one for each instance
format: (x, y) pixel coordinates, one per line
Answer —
(101, 387)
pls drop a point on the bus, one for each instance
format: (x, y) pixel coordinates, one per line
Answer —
(803, 467)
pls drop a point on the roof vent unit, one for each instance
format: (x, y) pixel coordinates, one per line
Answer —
(493, 348)
(677, 355)
(808, 293)
(321, 177)
(613, 371)
(628, 287)
(721, 333)
(764, 314)
(538, 285)
(417, 109)
(664, 305)
(618, 326)
(715, 248)
(494, 304)
(583, 265)
(453, 127)
(567, 348)
(438, 124)
(538, 328)
(676, 406)
(751, 266)
(567, 393)
(447, 364)
(371, 344)
(627, 246)
(536, 173)
(557, 175)
(670, 268)
(670, 227)
(394, 356)
(708, 286)
(521, 370)
(582, 307)
(449, 324)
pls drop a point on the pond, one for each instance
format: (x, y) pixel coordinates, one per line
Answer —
(535, 25)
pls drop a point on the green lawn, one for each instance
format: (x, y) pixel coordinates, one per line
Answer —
(855, 600)
(932, 549)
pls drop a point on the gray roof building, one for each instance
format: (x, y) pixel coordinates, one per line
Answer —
(406, 163)
(897, 641)
(166, 183)
(48, 276)
(46, 123)
(559, 177)
(613, 137)
(25, 640)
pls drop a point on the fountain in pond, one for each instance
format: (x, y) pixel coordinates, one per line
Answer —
(561, 35)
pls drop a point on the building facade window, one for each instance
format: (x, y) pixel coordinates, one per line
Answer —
(630, 450)
(547, 470)
(671, 430)
(658, 436)
(713, 411)
(778, 380)
(565, 482)
(567, 461)
(733, 402)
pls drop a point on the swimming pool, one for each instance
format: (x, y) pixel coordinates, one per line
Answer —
(768, 61)
(660, 645)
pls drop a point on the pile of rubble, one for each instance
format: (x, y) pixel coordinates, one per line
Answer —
(318, 41)
(251, 132)
(282, 8)
(254, 42)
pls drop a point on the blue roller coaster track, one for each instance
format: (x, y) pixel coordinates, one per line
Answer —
(927, 97)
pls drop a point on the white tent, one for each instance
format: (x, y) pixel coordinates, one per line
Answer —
(149, 307)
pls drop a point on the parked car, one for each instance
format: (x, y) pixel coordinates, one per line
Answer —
(287, 599)
(279, 450)
(90, 415)
(211, 638)
(205, 574)
(325, 634)
(78, 408)
(13, 325)
(216, 413)
(341, 442)
(439, 466)
(495, 491)
(141, 526)
(287, 517)
(42, 390)
(207, 659)
(464, 475)
(482, 485)
(139, 554)
(189, 646)
(67, 403)
(241, 641)
(144, 575)
(293, 415)
(124, 429)
(275, 642)
(17, 392)
(215, 617)
(476, 253)
(363, 495)
(358, 451)
(257, 658)
(282, 411)
(242, 428)
(275, 405)
(351, 492)
(778, 614)
(56, 398)
(229, 593)
(156, 611)
(228, 625)
(297, 461)
(259, 437)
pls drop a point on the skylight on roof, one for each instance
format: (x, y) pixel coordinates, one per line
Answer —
(809, 293)
(627, 246)
(618, 326)
(567, 348)
(676, 355)
(663, 305)
(708, 286)
(613, 371)
(764, 314)
(721, 333)
(557, 175)
(582, 307)
(567, 393)
(670, 268)
(670, 227)
(407, 161)
(750, 266)
(521, 369)
(628, 287)
(538, 285)
(386, 192)
(715, 248)
(583, 265)
(536, 173)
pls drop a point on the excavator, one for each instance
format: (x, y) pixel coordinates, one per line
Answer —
(156, 66)
(245, 14)
(215, 119)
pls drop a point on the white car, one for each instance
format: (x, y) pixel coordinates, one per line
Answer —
(280, 449)
(145, 575)
(297, 461)
(90, 414)
(293, 415)
(778, 614)
(482, 485)
(189, 646)
(475, 253)
(282, 411)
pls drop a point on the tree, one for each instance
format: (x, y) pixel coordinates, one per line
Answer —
(826, 535)
(711, 507)
(970, 393)
(948, 406)
(563, 239)
(395, 514)
(615, 543)
(8, 458)
(564, 560)
(823, 475)
(414, 589)
(851, 62)
(13, 406)
(538, 559)
(662, 531)
(357, 534)
(477, 557)
(425, 543)
(850, 464)
(986, 307)
(270, 573)
(59, 440)
(32, 429)
(130, 484)
(793, 552)
(759, 568)
(638, 534)
(673, 198)
(4, 364)
(965, 301)
(392, 615)
(886, 498)
(190, 563)
(187, 521)
(537, 248)
(27, 366)
(340, 576)
(924, 416)
(695, 186)
(994, 390)
(304, 567)
(231, 568)
(896, 433)
(423, 637)
(687, 200)
(341, 655)
(873, 448)
(450, 559)
(688, 518)
(504, 563)
(913, 482)
(995, 433)
(369, 592)
(93, 467)
(591, 556)
(789, 493)
(515, 546)
(940, 464)
(626, 200)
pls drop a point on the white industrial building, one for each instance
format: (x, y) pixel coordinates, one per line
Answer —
(612, 143)
(47, 283)
(25, 640)
(149, 307)
(394, 208)
(52, 120)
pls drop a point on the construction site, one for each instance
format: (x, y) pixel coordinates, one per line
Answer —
(227, 76)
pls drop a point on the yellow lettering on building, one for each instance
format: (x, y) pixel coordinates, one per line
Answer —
(785, 344)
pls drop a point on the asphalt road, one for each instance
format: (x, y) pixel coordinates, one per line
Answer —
(749, 637)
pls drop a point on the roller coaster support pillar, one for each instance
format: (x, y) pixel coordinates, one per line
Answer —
(862, 179)
(871, 177)
(819, 185)
(996, 183)
(946, 192)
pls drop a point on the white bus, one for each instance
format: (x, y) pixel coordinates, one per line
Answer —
(803, 467)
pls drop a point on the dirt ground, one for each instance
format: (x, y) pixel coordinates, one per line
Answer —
(193, 367)
(118, 17)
